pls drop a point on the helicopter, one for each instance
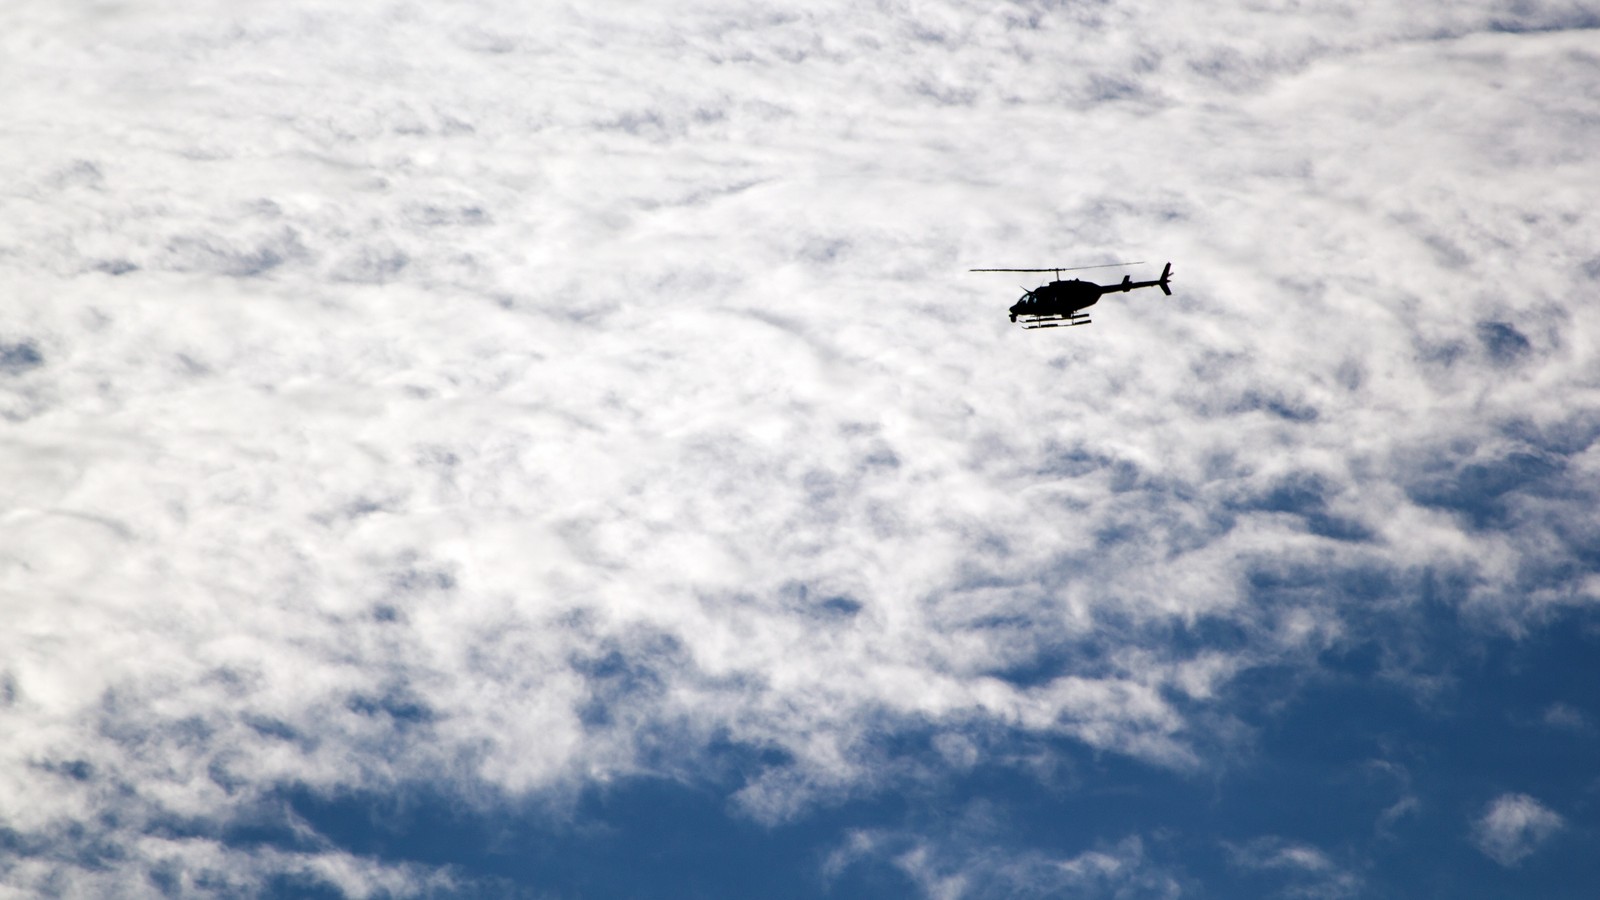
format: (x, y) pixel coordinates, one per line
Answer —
(1059, 303)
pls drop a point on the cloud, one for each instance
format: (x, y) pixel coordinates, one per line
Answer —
(950, 870)
(1273, 853)
(1513, 827)
(1308, 871)
(1565, 717)
(167, 856)
(520, 403)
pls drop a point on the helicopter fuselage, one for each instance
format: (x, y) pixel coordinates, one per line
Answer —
(1061, 303)
(1059, 298)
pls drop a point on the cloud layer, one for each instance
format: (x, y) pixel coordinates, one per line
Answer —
(516, 401)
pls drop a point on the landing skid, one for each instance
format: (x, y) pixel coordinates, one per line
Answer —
(1055, 322)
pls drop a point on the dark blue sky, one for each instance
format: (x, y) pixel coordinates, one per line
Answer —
(1385, 775)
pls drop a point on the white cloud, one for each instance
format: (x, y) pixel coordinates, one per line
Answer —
(951, 869)
(1306, 870)
(1513, 827)
(111, 865)
(1565, 717)
(404, 393)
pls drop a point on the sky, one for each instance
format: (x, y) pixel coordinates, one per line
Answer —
(558, 450)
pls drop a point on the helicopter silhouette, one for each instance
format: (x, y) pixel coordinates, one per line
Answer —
(1059, 303)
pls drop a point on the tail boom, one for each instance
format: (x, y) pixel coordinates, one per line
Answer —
(1163, 282)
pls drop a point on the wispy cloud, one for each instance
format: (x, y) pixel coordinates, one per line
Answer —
(1304, 870)
(1513, 827)
(1565, 717)
(950, 870)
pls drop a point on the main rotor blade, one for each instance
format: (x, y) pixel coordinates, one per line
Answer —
(1064, 268)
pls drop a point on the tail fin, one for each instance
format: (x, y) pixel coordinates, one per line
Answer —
(1166, 276)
